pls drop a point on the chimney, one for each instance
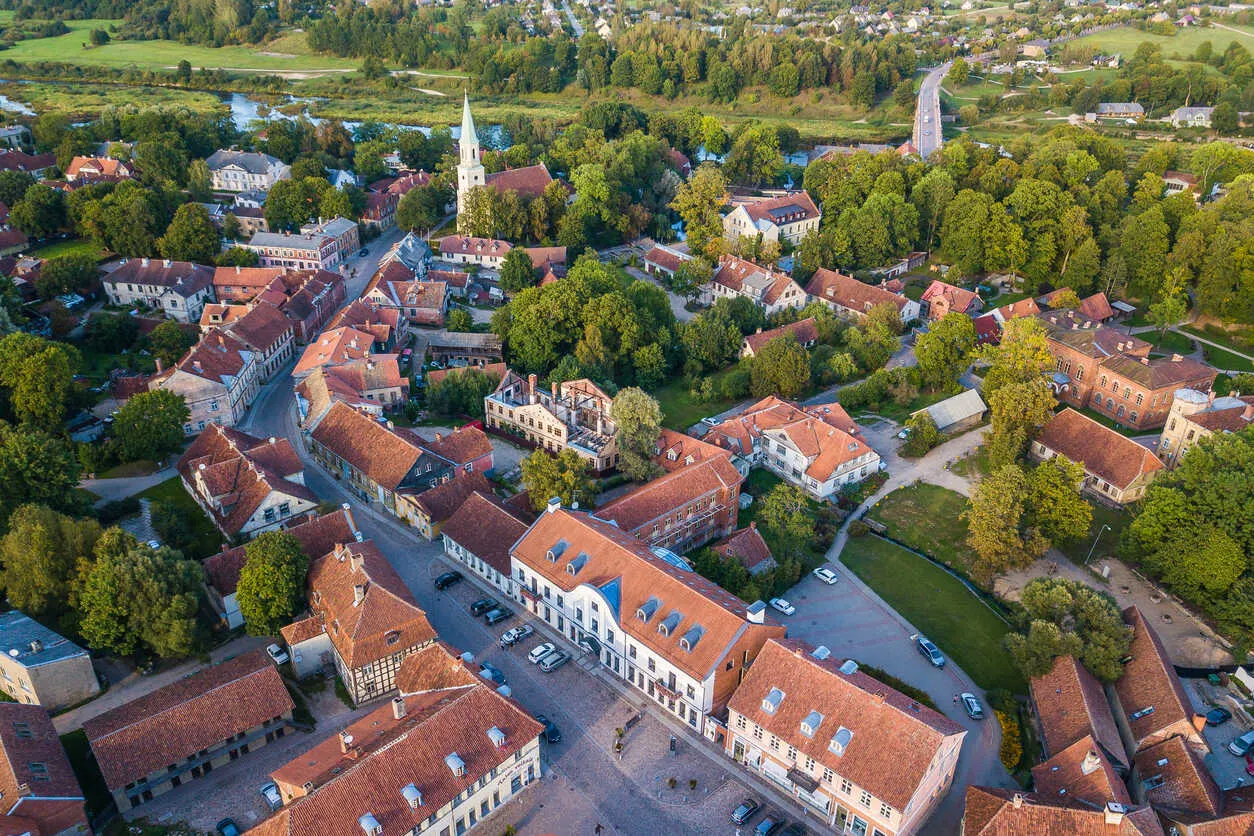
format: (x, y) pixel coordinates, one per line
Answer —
(1176, 358)
(554, 388)
(354, 560)
(1114, 813)
(346, 742)
(391, 426)
(36, 646)
(273, 440)
(1210, 398)
(143, 262)
(1092, 762)
(555, 505)
(359, 593)
(600, 423)
(1018, 800)
(531, 388)
(756, 614)
(753, 525)
(1248, 413)
(159, 365)
(398, 707)
(438, 436)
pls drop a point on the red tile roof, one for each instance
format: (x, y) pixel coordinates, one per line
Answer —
(733, 273)
(645, 507)
(487, 529)
(528, 180)
(218, 357)
(1082, 772)
(382, 454)
(317, 536)
(1174, 778)
(748, 547)
(542, 256)
(262, 328)
(464, 245)
(176, 721)
(1000, 812)
(795, 203)
(805, 330)
(1103, 452)
(894, 741)
(1097, 307)
(96, 167)
(334, 347)
(21, 161)
(675, 450)
(666, 258)
(960, 300)
(50, 799)
(1072, 705)
(848, 292)
(462, 446)
(1149, 681)
(440, 502)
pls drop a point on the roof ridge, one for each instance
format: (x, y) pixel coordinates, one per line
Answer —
(194, 698)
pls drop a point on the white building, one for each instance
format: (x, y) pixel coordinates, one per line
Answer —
(785, 218)
(1191, 117)
(179, 289)
(239, 171)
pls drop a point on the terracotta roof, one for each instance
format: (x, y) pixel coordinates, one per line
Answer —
(1016, 310)
(261, 328)
(1150, 681)
(1096, 307)
(464, 245)
(960, 299)
(180, 277)
(390, 754)
(96, 167)
(1103, 452)
(666, 258)
(1174, 778)
(1161, 372)
(370, 447)
(1072, 706)
(349, 383)
(439, 502)
(21, 161)
(646, 506)
(333, 347)
(762, 283)
(12, 238)
(218, 356)
(1079, 332)
(462, 446)
(401, 186)
(366, 316)
(435, 667)
(624, 567)
(317, 536)
(234, 473)
(380, 206)
(1082, 772)
(805, 330)
(825, 445)
(746, 546)
(540, 256)
(1237, 818)
(894, 741)
(216, 314)
(451, 278)
(176, 721)
(1230, 419)
(1000, 812)
(498, 370)
(675, 450)
(385, 621)
(50, 799)
(739, 432)
(848, 292)
(528, 180)
(301, 631)
(486, 528)
(798, 204)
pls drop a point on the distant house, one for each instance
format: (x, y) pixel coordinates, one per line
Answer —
(994, 810)
(941, 298)
(484, 252)
(573, 415)
(239, 171)
(380, 211)
(1191, 117)
(335, 347)
(1180, 182)
(185, 730)
(245, 484)
(664, 261)
(464, 348)
(786, 218)
(264, 330)
(961, 412)
(218, 379)
(372, 384)
(97, 170)
(36, 164)
(805, 330)
(467, 448)
(1116, 468)
(747, 547)
(41, 667)
(420, 302)
(306, 297)
(42, 796)
(342, 230)
(851, 298)
(1151, 697)
(386, 325)
(179, 289)
(769, 289)
(1120, 110)
(314, 251)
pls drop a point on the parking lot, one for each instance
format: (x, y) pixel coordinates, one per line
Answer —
(1227, 769)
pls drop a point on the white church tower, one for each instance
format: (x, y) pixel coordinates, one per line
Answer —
(469, 171)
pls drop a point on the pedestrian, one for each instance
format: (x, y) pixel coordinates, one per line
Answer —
(598, 829)
(955, 699)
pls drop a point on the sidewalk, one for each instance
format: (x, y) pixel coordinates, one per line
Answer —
(110, 490)
(136, 685)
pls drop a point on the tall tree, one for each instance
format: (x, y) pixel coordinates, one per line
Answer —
(150, 425)
(995, 524)
(943, 352)
(37, 467)
(1055, 506)
(517, 273)
(191, 236)
(564, 476)
(169, 342)
(1067, 618)
(788, 519)
(639, 420)
(271, 586)
(698, 203)
(781, 367)
(43, 552)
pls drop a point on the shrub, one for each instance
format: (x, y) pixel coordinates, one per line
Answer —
(111, 512)
(1011, 745)
(858, 528)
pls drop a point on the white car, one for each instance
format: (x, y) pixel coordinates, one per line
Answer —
(782, 606)
(712, 421)
(826, 575)
(539, 652)
(514, 636)
(270, 793)
(277, 654)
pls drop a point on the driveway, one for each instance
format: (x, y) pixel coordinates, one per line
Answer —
(110, 490)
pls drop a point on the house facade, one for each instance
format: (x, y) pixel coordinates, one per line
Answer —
(483, 252)
(805, 330)
(218, 379)
(295, 251)
(1196, 415)
(575, 415)
(786, 218)
(479, 536)
(241, 171)
(341, 230)
(1116, 468)
(769, 289)
(853, 299)
(179, 289)
(42, 667)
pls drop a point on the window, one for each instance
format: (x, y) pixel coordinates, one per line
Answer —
(22, 731)
(1140, 398)
(774, 743)
(740, 721)
(792, 753)
(846, 786)
(652, 666)
(828, 776)
(757, 732)
(865, 799)
(886, 812)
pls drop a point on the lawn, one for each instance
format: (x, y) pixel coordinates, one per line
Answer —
(78, 750)
(1103, 515)
(97, 365)
(1233, 342)
(1226, 360)
(1184, 43)
(74, 246)
(973, 466)
(927, 518)
(939, 605)
(207, 540)
(1171, 342)
(680, 410)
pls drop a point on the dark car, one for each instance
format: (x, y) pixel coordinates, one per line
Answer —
(769, 826)
(447, 579)
(227, 827)
(930, 652)
(747, 809)
(483, 605)
(496, 615)
(363, 251)
(1218, 716)
(492, 673)
(551, 733)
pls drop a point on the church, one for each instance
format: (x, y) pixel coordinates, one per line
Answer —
(528, 181)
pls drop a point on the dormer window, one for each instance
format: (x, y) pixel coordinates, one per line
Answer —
(496, 736)
(559, 548)
(840, 742)
(771, 702)
(689, 639)
(668, 624)
(455, 764)
(647, 609)
(810, 724)
(578, 563)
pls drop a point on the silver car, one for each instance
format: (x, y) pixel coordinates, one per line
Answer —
(554, 661)
(540, 651)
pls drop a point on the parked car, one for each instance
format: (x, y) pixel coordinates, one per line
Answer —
(711, 420)
(1239, 746)
(904, 434)
(514, 636)
(931, 652)
(554, 661)
(551, 733)
(826, 575)
(448, 579)
(1249, 764)
(277, 654)
(782, 606)
(496, 615)
(1218, 716)
(270, 793)
(483, 605)
(747, 809)
(492, 673)
(971, 704)
(364, 251)
(227, 827)
(769, 826)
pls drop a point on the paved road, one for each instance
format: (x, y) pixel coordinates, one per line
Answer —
(575, 25)
(927, 125)
(111, 489)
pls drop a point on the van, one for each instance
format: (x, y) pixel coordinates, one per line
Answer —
(497, 615)
(1243, 744)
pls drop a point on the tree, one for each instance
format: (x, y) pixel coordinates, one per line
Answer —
(564, 476)
(698, 203)
(111, 333)
(1065, 300)
(1173, 305)
(1225, 119)
(135, 597)
(1018, 411)
(150, 425)
(1023, 355)
(781, 367)
(958, 73)
(271, 587)
(191, 236)
(37, 467)
(924, 434)
(237, 257)
(943, 352)
(517, 272)
(690, 277)
(650, 365)
(639, 420)
(1067, 618)
(169, 341)
(421, 207)
(232, 229)
(931, 196)
(43, 552)
(40, 213)
(459, 319)
(461, 393)
(200, 181)
(995, 524)
(66, 274)
(38, 375)
(788, 519)
(13, 186)
(1055, 507)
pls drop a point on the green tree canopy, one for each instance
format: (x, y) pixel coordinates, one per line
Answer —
(271, 586)
(150, 425)
(639, 421)
(169, 341)
(564, 476)
(1064, 617)
(191, 236)
(788, 519)
(943, 352)
(43, 553)
(781, 367)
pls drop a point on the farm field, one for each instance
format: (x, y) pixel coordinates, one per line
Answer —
(1185, 42)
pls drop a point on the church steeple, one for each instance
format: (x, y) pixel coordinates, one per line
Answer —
(469, 141)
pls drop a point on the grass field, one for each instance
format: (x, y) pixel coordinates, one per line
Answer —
(77, 246)
(974, 465)
(680, 410)
(927, 518)
(936, 603)
(89, 98)
(1184, 43)
(1171, 342)
(1102, 516)
(207, 540)
(1221, 359)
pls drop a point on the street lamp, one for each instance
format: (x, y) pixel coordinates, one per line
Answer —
(1095, 539)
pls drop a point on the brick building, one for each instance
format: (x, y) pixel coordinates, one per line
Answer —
(41, 795)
